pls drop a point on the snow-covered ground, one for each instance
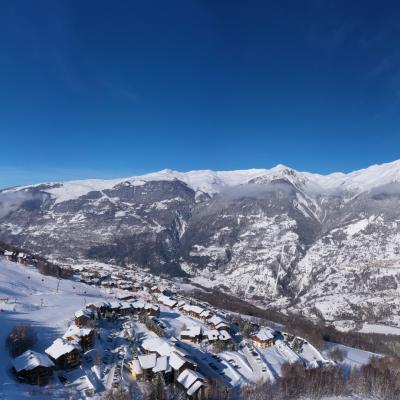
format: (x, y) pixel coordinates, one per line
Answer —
(384, 329)
(48, 305)
(43, 302)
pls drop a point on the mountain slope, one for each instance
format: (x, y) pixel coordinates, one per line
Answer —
(294, 239)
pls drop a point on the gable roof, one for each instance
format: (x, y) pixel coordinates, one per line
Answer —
(76, 331)
(162, 364)
(177, 361)
(148, 361)
(30, 360)
(158, 345)
(61, 347)
(192, 331)
(195, 387)
(84, 312)
(264, 334)
(187, 377)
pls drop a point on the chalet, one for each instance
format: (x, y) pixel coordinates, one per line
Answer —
(192, 311)
(181, 304)
(23, 258)
(192, 334)
(264, 338)
(64, 354)
(126, 308)
(115, 307)
(193, 383)
(83, 317)
(213, 335)
(34, 368)
(166, 301)
(152, 310)
(84, 336)
(138, 306)
(158, 345)
(162, 367)
(218, 323)
(155, 289)
(10, 255)
(100, 307)
(147, 363)
(205, 315)
(180, 361)
(107, 283)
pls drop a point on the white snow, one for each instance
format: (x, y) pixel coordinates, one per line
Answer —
(356, 227)
(211, 182)
(29, 298)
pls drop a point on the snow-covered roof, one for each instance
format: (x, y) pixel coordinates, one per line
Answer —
(167, 301)
(125, 306)
(224, 335)
(84, 312)
(148, 361)
(215, 320)
(187, 377)
(30, 360)
(138, 304)
(264, 334)
(61, 347)
(157, 344)
(162, 364)
(195, 309)
(212, 334)
(192, 331)
(115, 305)
(100, 304)
(194, 388)
(205, 313)
(176, 361)
(76, 331)
(8, 253)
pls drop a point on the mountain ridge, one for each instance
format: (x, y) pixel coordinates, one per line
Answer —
(210, 179)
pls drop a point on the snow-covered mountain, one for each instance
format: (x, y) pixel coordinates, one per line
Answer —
(328, 245)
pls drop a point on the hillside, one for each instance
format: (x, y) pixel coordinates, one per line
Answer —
(327, 246)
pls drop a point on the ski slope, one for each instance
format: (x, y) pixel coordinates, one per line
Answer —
(29, 298)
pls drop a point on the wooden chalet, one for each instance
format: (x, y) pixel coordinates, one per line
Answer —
(64, 354)
(100, 307)
(192, 311)
(264, 338)
(180, 361)
(193, 383)
(84, 336)
(192, 334)
(34, 368)
(84, 317)
(144, 367)
(219, 323)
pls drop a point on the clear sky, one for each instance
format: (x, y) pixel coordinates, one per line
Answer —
(117, 88)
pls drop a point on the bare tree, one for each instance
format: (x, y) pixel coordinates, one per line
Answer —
(20, 339)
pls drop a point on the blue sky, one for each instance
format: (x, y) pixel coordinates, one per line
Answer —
(106, 89)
